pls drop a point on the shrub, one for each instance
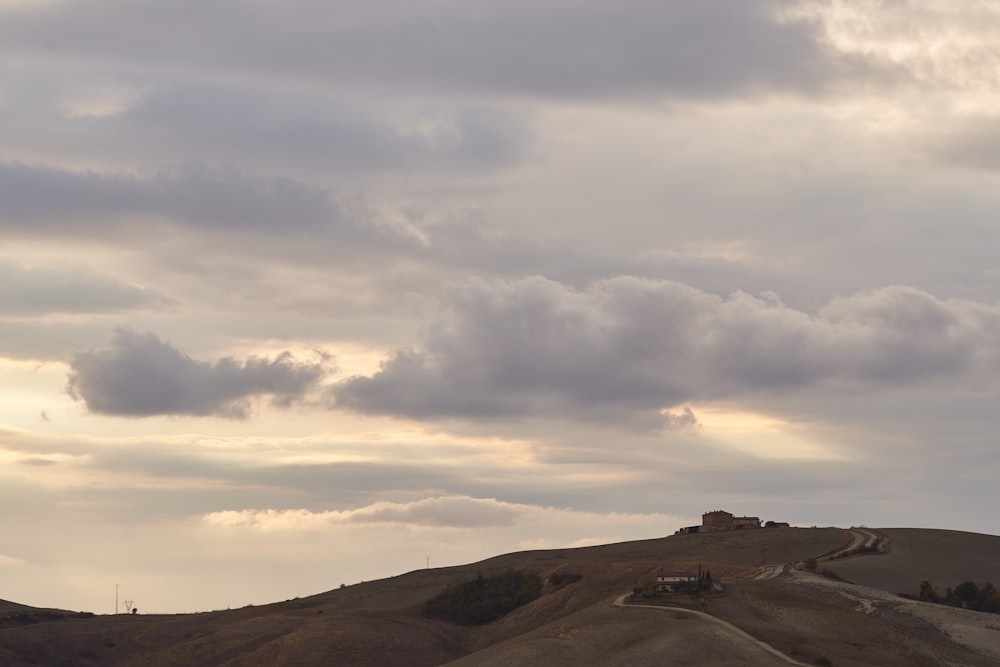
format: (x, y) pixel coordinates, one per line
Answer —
(485, 599)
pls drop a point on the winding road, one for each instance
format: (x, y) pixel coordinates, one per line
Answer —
(771, 571)
(861, 538)
(733, 631)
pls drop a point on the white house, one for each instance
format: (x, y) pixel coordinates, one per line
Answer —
(665, 581)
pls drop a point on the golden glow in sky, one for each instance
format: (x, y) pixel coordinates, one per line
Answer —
(763, 436)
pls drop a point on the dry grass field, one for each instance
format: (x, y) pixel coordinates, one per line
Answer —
(946, 558)
(810, 619)
(606, 635)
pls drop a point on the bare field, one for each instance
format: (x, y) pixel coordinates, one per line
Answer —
(606, 635)
(813, 618)
(946, 558)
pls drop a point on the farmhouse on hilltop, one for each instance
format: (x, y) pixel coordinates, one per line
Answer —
(721, 520)
(717, 520)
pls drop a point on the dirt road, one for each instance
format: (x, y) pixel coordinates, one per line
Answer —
(734, 633)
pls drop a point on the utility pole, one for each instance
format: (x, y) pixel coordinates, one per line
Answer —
(116, 599)
(428, 562)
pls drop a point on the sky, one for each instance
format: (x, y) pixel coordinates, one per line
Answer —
(299, 294)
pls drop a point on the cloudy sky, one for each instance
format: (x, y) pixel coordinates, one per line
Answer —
(296, 294)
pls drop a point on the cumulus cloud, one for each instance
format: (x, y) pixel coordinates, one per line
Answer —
(937, 42)
(681, 419)
(628, 347)
(139, 375)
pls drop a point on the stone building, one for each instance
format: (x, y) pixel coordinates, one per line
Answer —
(722, 520)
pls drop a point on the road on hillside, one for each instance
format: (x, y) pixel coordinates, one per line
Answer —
(771, 571)
(861, 538)
(734, 632)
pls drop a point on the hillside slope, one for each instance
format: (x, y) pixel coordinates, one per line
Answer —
(946, 558)
(808, 617)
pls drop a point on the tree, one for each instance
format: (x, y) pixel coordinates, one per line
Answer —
(989, 598)
(966, 595)
(927, 593)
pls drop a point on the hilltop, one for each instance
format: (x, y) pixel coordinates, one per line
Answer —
(810, 618)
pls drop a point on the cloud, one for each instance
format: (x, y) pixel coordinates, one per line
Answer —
(139, 376)
(941, 43)
(48, 339)
(29, 291)
(972, 142)
(709, 48)
(444, 511)
(198, 223)
(39, 199)
(294, 131)
(10, 561)
(307, 127)
(37, 461)
(681, 419)
(625, 348)
(462, 512)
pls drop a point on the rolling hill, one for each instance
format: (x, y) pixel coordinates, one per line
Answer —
(769, 613)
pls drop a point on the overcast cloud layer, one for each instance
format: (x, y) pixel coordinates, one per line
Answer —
(294, 295)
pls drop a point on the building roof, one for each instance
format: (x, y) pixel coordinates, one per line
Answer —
(676, 573)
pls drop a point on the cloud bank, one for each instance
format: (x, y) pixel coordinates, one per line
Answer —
(625, 348)
(458, 512)
(445, 511)
(710, 48)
